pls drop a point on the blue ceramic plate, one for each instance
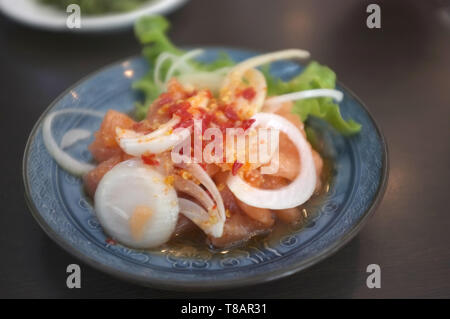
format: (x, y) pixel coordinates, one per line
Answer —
(61, 208)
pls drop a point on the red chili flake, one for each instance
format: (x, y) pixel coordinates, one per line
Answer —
(190, 94)
(224, 126)
(209, 94)
(180, 107)
(248, 93)
(110, 241)
(230, 113)
(184, 123)
(185, 115)
(164, 98)
(247, 123)
(206, 121)
(149, 159)
(138, 125)
(236, 167)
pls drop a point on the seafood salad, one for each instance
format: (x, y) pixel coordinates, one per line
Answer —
(219, 148)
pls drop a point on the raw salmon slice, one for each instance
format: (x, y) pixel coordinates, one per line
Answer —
(105, 145)
(92, 179)
(238, 227)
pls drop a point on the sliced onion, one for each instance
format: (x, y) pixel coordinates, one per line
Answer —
(180, 61)
(292, 195)
(233, 80)
(274, 103)
(190, 188)
(162, 130)
(124, 188)
(269, 57)
(243, 106)
(156, 142)
(257, 147)
(216, 226)
(222, 71)
(204, 80)
(197, 214)
(73, 136)
(63, 159)
(163, 57)
(260, 148)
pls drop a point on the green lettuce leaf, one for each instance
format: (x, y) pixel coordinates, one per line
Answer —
(151, 31)
(315, 76)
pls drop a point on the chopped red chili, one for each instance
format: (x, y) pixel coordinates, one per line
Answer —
(184, 123)
(230, 113)
(110, 241)
(179, 108)
(164, 98)
(149, 159)
(247, 123)
(191, 94)
(248, 93)
(236, 167)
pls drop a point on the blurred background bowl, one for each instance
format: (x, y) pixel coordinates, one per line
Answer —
(35, 14)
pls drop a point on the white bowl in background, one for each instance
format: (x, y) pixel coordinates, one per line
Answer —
(35, 14)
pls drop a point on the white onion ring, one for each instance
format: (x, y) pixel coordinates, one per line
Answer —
(215, 229)
(292, 195)
(155, 142)
(63, 159)
(272, 104)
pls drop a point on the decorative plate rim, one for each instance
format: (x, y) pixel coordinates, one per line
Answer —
(217, 284)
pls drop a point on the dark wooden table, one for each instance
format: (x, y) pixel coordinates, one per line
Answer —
(401, 71)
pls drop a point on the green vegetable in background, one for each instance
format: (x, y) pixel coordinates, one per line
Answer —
(152, 33)
(92, 7)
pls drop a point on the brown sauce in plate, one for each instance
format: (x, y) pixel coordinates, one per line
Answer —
(194, 243)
